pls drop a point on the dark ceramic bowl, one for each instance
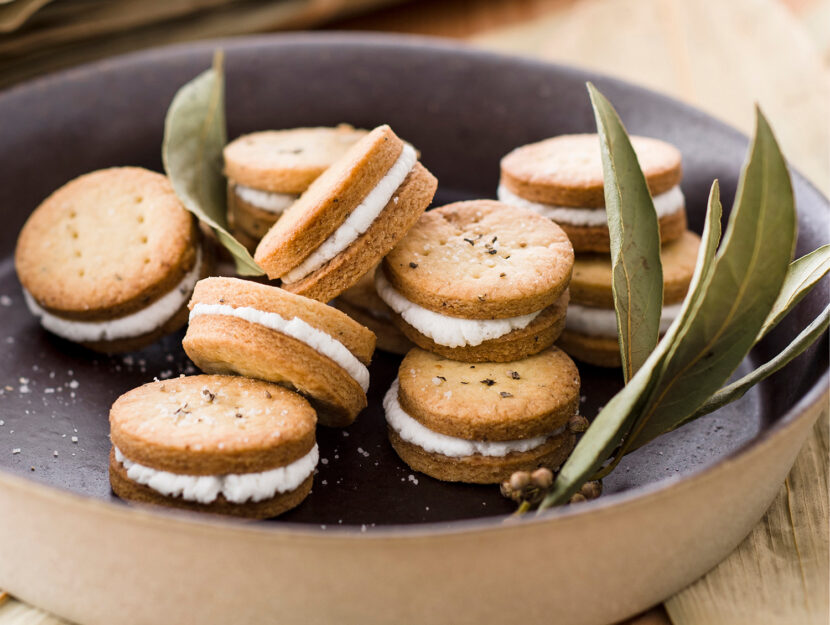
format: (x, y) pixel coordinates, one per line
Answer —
(374, 542)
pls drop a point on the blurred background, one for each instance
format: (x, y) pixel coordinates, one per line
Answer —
(719, 55)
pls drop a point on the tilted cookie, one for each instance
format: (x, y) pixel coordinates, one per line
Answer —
(259, 331)
(267, 171)
(363, 304)
(110, 259)
(479, 281)
(479, 423)
(561, 179)
(213, 443)
(591, 328)
(349, 218)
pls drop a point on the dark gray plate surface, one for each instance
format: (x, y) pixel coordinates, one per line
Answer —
(464, 110)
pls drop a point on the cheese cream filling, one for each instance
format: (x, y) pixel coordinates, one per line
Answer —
(665, 204)
(234, 487)
(138, 323)
(270, 201)
(414, 432)
(603, 321)
(360, 219)
(445, 330)
(298, 329)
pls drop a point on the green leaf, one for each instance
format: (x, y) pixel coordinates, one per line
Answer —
(738, 389)
(615, 419)
(802, 276)
(637, 271)
(729, 299)
(747, 276)
(194, 136)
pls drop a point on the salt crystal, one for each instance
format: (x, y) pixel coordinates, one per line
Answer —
(16, 451)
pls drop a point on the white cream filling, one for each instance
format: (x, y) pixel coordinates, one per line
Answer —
(360, 219)
(266, 200)
(141, 322)
(295, 328)
(414, 432)
(236, 488)
(665, 204)
(603, 321)
(444, 330)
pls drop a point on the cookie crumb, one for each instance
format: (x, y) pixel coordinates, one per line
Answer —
(207, 395)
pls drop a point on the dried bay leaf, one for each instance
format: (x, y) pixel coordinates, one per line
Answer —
(802, 276)
(194, 136)
(637, 273)
(731, 295)
(612, 423)
(738, 388)
(746, 278)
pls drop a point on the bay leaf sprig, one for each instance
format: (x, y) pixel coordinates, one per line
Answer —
(636, 268)
(194, 137)
(734, 293)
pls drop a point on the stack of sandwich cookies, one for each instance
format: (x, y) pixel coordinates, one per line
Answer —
(110, 259)
(349, 218)
(561, 179)
(363, 304)
(481, 422)
(259, 331)
(220, 444)
(591, 328)
(479, 281)
(267, 171)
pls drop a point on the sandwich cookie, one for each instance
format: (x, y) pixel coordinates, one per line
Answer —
(479, 281)
(259, 331)
(267, 171)
(479, 423)
(349, 218)
(110, 259)
(591, 328)
(213, 443)
(363, 304)
(561, 179)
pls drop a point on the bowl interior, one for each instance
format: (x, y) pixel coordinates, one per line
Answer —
(463, 109)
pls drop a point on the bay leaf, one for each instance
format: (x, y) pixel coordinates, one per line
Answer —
(802, 276)
(637, 273)
(728, 302)
(747, 276)
(194, 136)
(738, 388)
(613, 422)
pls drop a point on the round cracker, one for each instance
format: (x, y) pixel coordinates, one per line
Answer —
(481, 259)
(490, 401)
(591, 281)
(106, 244)
(287, 161)
(212, 425)
(567, 170)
